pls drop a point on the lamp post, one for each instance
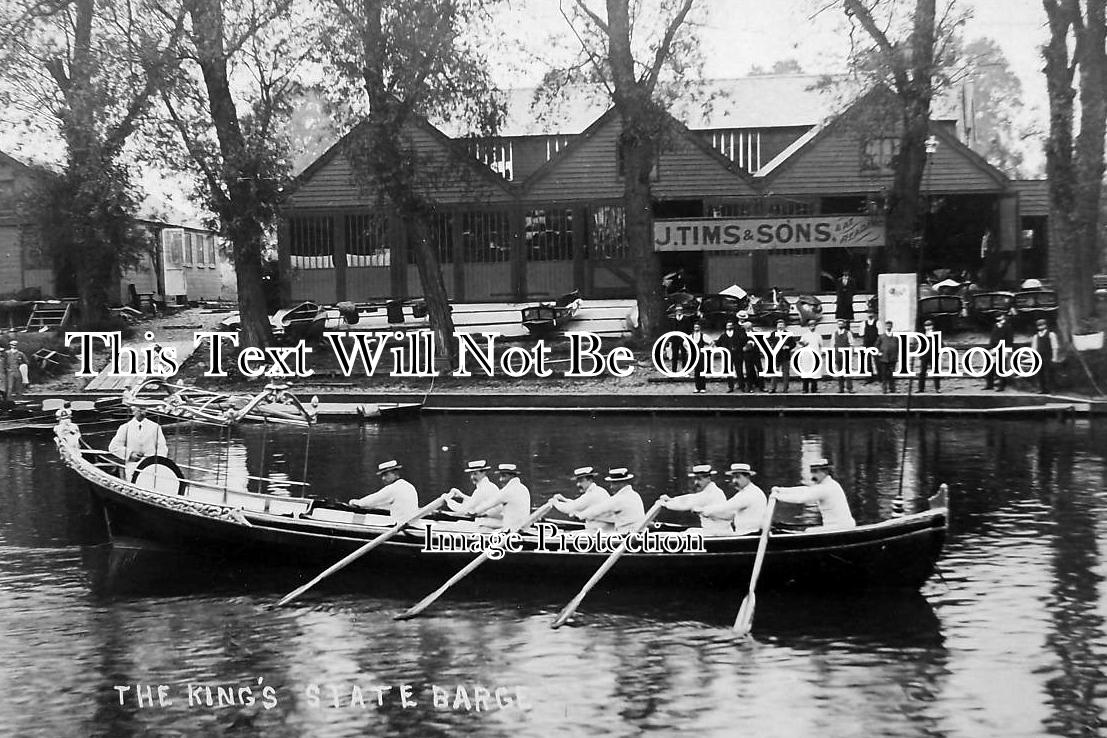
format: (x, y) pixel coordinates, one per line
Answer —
(931, 147)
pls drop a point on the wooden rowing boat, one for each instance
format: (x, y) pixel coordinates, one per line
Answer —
(161, 506)
(547, 317)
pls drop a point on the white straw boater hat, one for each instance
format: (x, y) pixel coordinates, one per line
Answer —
(701, 470)
(477, 465)
(583, 471)
(741, 469)
(387, 466)
(618, 474)
(820, 464)
(508, 469)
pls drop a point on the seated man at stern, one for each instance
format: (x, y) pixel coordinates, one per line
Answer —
(138, 439)
(826, 493)
(398, 495)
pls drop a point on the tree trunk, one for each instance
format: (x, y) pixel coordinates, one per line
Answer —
(434, 287)
(238, 207)
(1092, 59)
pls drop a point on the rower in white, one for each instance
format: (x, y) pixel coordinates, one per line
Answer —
(590, 494)
(511, 503)
(137, 439)
(624, 509)
(706, 494)
(398, 495)
(484, 489)
(826, 493)
(746, 509)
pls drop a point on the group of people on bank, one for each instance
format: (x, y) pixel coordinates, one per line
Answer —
(618, 508)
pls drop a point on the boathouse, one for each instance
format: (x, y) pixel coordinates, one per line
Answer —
(776, 182)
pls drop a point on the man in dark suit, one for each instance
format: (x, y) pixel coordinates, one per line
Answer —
(701, 342)
(1002, 333)
(870, 331)
(682, 323)
(734, 341)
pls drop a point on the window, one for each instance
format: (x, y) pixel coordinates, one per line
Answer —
(201, 249)
(367, 241)
(741, 145)
(496, 155)
(607, 233)
(754, 207)
(878, 155)
(34, 256)
(187, 249)
(311, 242)
(173, 246)
(211, 252)
(486, 236)
(549, 235)
(555, 144)
(441, 234)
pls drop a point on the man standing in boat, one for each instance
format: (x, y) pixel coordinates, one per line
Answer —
(15, 369)
(511, 503)
(591, 494)
(137, 439)
(484, 489)
(826, 493)
(746, 509)
(624, 509)
(706, 495)
(398, 495)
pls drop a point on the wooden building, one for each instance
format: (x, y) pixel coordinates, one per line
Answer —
(776, 184)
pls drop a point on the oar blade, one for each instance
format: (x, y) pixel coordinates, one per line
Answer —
(743, 624)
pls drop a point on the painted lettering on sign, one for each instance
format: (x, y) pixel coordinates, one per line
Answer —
(724, 234)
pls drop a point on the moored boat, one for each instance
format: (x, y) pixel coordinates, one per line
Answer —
(1034, 304)
(201, 515)
(986, 306)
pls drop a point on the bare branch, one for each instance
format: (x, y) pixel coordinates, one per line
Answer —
(662, 51)
(600, 23)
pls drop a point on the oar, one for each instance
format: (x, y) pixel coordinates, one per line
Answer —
(426, 602)
(568, 610)
(349, 559)
(744, 622)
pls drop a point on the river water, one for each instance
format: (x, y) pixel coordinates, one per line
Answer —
(1009, 640)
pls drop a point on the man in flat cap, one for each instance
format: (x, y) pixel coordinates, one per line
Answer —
(511, 503)
(14, 368)
(746, 509)
(398, 495)
(706, 493)
(591, 494)
(1048, 346)
(824, 492)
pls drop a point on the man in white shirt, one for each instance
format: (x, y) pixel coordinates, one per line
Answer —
(706, 493)
(484, 489)
(826, 493)
(746, 509)
(590, 494)
(511, 501)
(137, 439)
(398, 495)
(624, 508)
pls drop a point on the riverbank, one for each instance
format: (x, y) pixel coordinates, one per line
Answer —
(645, 390)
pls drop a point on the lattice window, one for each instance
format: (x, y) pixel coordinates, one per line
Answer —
(496, 155)
(761, 206)
(486, 236)
(211, 252)
(200, 242)
(311, 242)
(607, 233)
(188, 256)
(741, 145)
(549, 235)
(554, 144)
(441, 234)
(878, 155)
(367, 241)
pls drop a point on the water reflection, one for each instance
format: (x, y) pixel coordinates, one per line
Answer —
(1009, 640)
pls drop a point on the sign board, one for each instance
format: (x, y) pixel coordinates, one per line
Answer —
(764, 234)
(898, 300)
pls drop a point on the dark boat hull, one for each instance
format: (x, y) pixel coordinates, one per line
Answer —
(896, 555)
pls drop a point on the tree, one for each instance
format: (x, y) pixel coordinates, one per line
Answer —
(998, 133)
(410, 61)
(643, 55)
(86, 71)
(913, 67)
(227, 107)
(1074, 164)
